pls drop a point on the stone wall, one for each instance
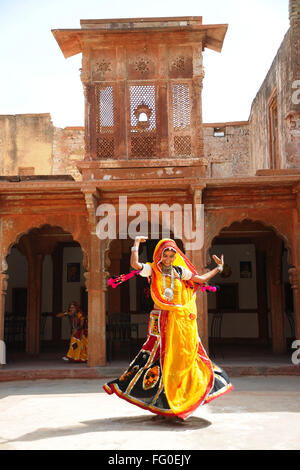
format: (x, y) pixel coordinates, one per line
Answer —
(31, 145)
(68, 150)
(227, 155)
(293, 117)
(283, 76)
(277, 76)
(26, 144)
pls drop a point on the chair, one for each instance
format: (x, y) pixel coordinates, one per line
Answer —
(119, 329)
(44, 316)
(216, 331)
(14, 329)
(290, 317)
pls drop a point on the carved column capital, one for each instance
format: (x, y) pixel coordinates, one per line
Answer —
(294, 277)
(92, 199)
(296, 190)
(3, 283)
(196, 192)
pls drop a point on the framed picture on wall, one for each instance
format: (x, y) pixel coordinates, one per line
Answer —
(245, 269)
(228, 297)
(73, 272)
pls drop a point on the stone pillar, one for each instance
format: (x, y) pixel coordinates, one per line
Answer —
(261, 287)
(294, 278)
(114, 295)
(3, 291)
(34, 283)
(276, 289)
(57, 262)
(294, 272)
(197, 257)
(96, 282)
(96, 287)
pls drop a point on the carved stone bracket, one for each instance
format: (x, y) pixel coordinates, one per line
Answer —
(3, 283)
(294, 277)
(86, 275)
(196, 193)
(92, 200)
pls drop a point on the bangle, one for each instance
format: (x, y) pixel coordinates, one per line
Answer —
(134, 248)
(220, 267)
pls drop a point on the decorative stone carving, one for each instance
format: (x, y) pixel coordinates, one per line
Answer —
(142, 65)
(293, 277)
(178, 63)
(4, 283)
(103, 66)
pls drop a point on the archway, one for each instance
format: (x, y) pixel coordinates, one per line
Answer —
(45, 267)
(254, 301)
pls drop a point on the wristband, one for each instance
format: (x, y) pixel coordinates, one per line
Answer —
(134, 248)
(220, 267)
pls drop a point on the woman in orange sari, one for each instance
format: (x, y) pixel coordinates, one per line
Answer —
(172, 374)
(78, 342)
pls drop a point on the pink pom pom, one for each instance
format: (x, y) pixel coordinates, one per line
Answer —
(112, 283)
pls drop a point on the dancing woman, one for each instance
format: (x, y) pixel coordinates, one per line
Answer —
(172, 374)
(78, 342)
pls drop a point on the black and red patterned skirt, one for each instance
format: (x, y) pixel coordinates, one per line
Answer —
(142, 382)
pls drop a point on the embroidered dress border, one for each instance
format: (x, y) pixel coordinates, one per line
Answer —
(139, 373)
(115, 389)
(162, 316)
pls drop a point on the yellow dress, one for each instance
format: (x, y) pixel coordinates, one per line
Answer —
(172, 374)
(78, 342)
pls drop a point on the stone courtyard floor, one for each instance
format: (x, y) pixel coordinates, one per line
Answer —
(261, 413)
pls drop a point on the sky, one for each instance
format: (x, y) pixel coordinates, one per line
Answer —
(36, 78)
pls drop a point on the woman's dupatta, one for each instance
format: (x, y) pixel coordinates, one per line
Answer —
(187, 371)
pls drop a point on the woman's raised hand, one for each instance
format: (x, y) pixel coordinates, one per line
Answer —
(218, 260)
(140, 238)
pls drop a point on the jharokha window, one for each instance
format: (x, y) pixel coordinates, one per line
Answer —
(273, 130)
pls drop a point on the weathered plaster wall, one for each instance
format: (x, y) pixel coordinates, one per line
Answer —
(279, 76)
(31, 145)
(68, 150)
(228, 155)
(26, 141)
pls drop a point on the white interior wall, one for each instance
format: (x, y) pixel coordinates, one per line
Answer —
(235, 324)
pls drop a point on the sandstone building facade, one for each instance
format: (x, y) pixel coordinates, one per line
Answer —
(144, 138)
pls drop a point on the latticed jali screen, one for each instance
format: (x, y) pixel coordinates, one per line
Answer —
(105, 122)
(143, 138)
(142, 118)
(181, 119)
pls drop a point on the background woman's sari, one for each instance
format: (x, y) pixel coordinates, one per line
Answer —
(78, 342)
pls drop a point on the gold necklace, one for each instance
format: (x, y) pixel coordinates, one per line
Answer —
(166, 269)
(168, 291)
